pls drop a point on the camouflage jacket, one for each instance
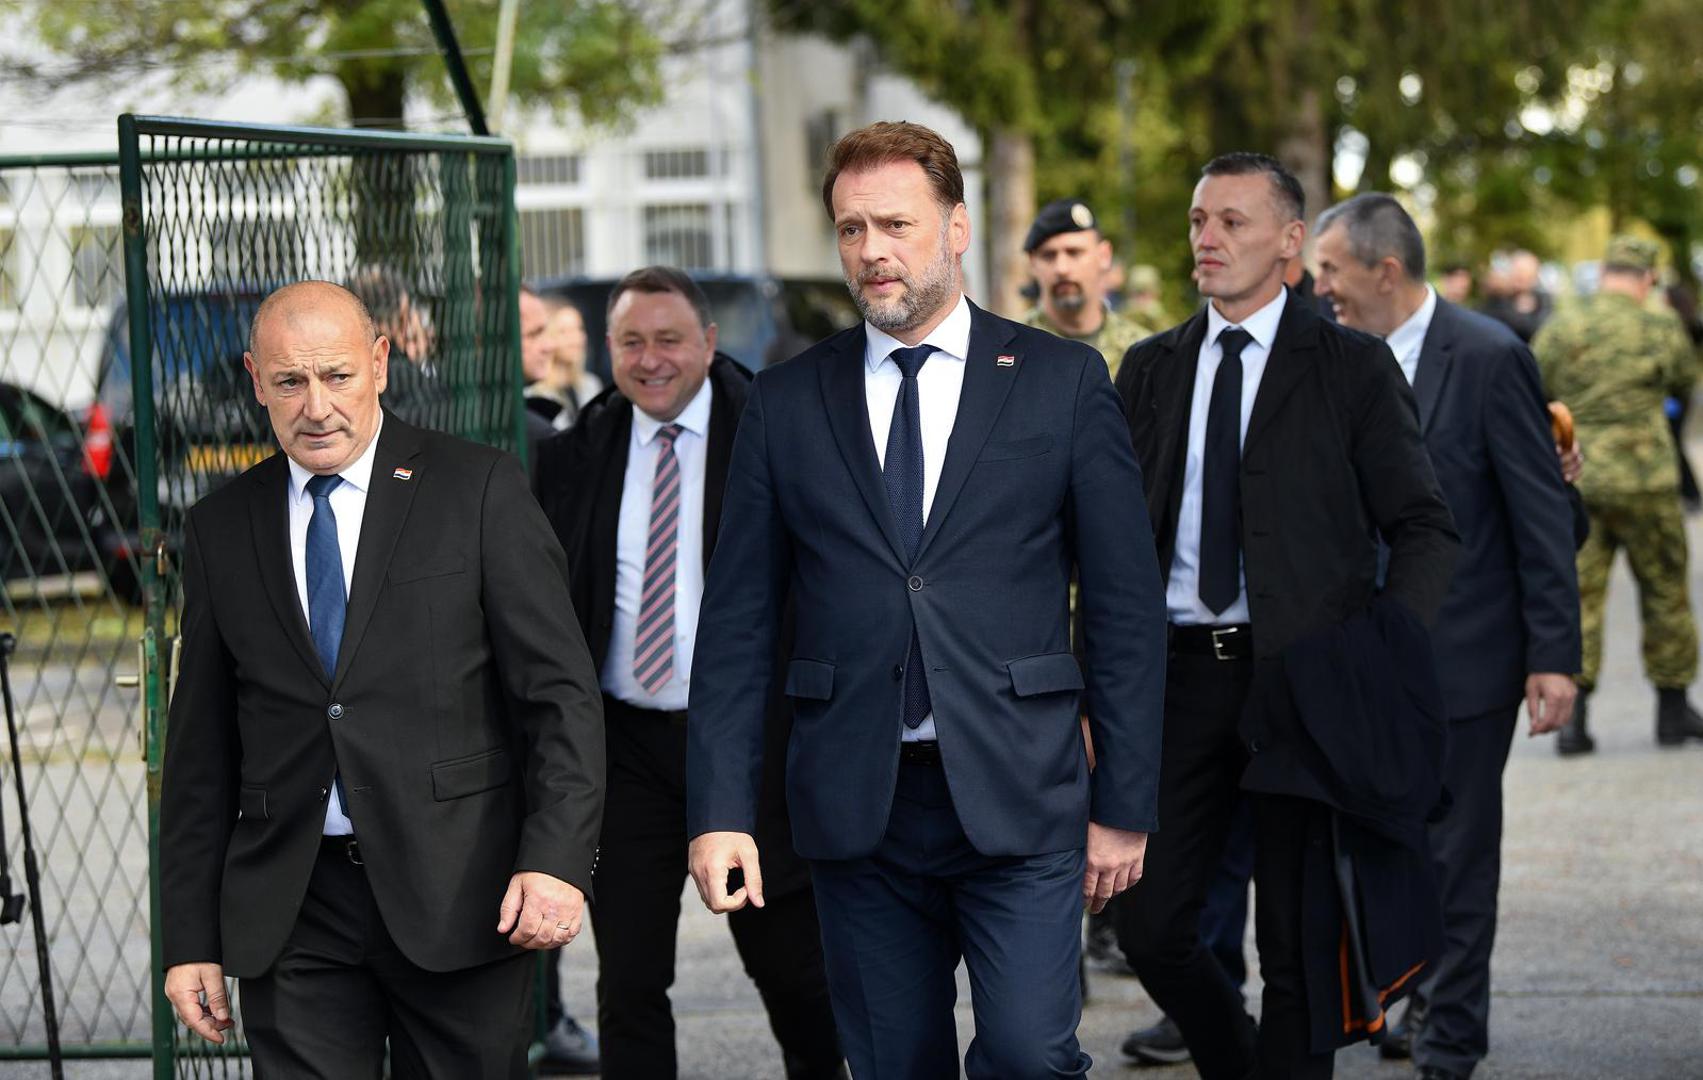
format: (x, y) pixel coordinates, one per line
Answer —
(1116, 334)
(1614, 364)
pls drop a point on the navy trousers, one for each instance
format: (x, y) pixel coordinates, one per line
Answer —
(896, 923)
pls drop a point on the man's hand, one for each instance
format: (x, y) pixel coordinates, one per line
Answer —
(197, 994)
(540, 911)
(1549, 700)
(711, 856)
(1114, 864)
(1572, 463)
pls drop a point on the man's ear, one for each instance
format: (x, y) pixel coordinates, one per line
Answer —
(254, 373)
(381, 362)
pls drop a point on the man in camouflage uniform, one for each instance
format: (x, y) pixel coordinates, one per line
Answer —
(1615, 363)
(1069, 259)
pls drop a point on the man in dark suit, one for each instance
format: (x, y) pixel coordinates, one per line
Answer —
(923, 485)
(1509, 628)
(1276, 447)
(384, 767)
(635, 492)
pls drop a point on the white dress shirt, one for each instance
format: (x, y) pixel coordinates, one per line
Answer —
(1182, 594)
(349, 504)
(1407, 341)
(940, 381)
(632, 539)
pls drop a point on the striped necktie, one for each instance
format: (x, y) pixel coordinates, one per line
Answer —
(653, 642)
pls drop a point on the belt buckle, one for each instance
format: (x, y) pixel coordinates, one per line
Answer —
(353, 849)
(1219, 636)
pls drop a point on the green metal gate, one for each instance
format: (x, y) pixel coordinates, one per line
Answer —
(123, 400)
(69, 579)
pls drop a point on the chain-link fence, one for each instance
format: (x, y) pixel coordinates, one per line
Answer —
(120, 406)
(69, 579)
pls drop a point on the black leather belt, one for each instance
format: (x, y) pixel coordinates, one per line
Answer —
(920, 753)
(616, 705)
(1218, 642)
(345, 846)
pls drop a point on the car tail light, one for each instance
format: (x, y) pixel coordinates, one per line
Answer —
(97, 442)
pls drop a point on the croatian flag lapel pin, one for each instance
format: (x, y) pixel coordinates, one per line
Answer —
(403, 474)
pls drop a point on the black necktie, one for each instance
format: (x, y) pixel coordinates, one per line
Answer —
(1220, 482)
(902, 470)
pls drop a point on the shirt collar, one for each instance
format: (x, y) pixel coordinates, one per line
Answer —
(951, 337)
(1261, 325)
(358, 476)
(1406, 339)
(695, 417)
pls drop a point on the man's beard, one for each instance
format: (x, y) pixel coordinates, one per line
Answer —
(923, 296)
(1068, 296)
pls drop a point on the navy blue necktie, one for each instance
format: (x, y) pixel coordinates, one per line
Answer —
(1220, 482)
(902, 470)
(326, 596)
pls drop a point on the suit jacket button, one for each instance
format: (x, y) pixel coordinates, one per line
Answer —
(915, 583)
(335, 711)
(898, 672)
(323, 792)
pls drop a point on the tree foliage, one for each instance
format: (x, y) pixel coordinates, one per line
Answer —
(598, 58)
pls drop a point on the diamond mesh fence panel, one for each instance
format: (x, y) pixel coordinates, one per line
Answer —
(420, 227)
(69, 572)
(95, 479)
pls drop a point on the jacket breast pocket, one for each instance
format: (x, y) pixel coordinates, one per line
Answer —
(1046, 673)
(1016, 449)
(401, 572)
(812, 680)
(463, 776)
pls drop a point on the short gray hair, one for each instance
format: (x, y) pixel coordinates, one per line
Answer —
(1378, 228)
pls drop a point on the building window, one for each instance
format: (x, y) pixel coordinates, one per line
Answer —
(547, 169)
(552, 242)
(680, 235)
(96, 266)
(681, 164)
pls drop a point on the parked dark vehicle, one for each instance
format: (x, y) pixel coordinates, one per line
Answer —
(207, 426)
(47, 489)
(760, 320)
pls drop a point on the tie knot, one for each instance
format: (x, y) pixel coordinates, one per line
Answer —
(667, 433)
(321, 486)
(1232, 340)
(910, 360)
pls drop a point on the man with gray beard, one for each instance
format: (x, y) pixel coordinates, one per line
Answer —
(917, 491)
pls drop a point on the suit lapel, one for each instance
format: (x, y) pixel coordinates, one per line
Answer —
(1291, 358)
(986, 386)
(718, 455)
(1172, 397)
(388, 500)
(1436, 357)
(270, 519)
(844, 398)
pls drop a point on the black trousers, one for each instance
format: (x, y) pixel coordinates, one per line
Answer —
(641, 870)
(1466, 847)
(1200, 768)
(341, 990)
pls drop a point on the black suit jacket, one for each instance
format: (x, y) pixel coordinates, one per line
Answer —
(1037, 477)
(1513, 607)
(1332, 458)
(581, 477)
(464, 716)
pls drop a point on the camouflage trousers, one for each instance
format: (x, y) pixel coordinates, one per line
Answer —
(1651, 528)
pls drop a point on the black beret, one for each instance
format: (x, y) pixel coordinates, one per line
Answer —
(1059, 216)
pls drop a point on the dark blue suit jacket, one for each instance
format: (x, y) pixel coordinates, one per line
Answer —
(1513, 606)
(1039, 477)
